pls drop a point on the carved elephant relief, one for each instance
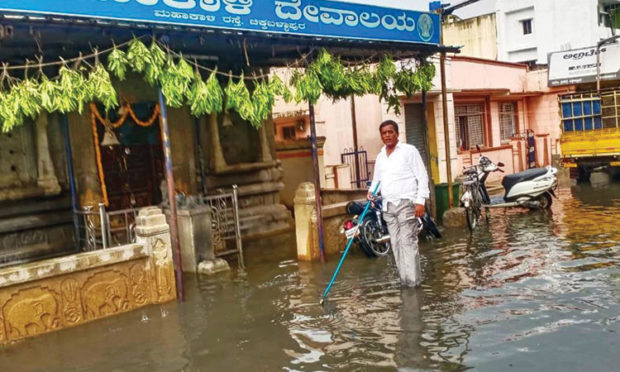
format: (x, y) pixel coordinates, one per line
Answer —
(31, 311)
(104, 294)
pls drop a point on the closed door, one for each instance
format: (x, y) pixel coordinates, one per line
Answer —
(415, 129)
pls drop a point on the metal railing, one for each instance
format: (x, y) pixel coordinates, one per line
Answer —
(358, 163)
(225, 223)
(101, 229)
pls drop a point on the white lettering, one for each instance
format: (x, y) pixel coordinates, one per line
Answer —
(181, 4)
(288, 9)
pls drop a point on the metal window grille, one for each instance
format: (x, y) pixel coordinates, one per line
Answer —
(469, 125)
(358, 164)
(582, 111)
(507, 120)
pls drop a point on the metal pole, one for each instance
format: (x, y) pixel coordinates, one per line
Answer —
(446, 134)
(104, 232)
(317, 182)
(174, 230)
(598, 68)
(238, 226)
(64, 125)
(355, 149)
(431, 183)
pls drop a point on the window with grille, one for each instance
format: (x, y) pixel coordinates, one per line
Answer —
(527, 26)
(469, 125)
(288, 132)
(507, 120)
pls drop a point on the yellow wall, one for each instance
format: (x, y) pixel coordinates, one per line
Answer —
(478, 36)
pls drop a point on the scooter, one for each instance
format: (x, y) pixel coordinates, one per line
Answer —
(532, 188)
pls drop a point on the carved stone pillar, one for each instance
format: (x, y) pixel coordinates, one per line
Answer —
(153, 232)
(218, 162)
(264, 145)
(46, 176)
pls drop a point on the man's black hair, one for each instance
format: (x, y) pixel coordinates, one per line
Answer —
(389, 122)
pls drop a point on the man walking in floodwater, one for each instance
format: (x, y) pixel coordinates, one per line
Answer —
(404, 188)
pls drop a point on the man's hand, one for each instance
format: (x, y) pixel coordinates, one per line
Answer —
(419, 210)
(369, 196)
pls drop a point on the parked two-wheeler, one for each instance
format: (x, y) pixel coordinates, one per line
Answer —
(532, 189)
(372, 235)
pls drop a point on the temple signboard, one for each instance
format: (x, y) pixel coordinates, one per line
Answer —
(299, 17)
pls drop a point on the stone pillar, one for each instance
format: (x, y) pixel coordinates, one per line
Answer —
(304, 202)
(46, 175)
(153, 233)
(218, 162)
(264, 145)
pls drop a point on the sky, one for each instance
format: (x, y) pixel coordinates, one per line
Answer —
(481, 7)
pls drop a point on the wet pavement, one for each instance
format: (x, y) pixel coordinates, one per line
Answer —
(528, 291)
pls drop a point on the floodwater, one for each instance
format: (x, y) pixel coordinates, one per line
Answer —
(529, 291)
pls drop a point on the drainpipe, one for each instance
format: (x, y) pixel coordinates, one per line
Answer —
(317, 181)
(174, 230)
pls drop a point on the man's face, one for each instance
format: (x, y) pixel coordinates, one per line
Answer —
(389, 136)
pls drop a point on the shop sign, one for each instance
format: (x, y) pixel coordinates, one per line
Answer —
(579, 65)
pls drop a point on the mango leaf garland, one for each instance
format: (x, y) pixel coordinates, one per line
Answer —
(280, 89)
(28, 98)
(10, 114)
(74, 91)
(117, 63)
(155, 68)
(138, 55)
(198, 97)
(263, 100)
(49, 94)
(238, 96)
(215, 98)
(102, 88)
(173, 85)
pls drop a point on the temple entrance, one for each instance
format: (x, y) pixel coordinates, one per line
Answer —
(133, 168)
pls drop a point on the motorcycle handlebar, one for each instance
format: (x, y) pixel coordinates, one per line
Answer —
(500, 170)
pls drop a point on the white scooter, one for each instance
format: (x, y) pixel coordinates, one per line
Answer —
(532, 188)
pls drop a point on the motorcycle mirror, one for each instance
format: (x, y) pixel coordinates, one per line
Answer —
(478, 148)
(500, 164)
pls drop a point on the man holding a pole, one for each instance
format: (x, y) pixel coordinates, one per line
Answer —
(404, 188)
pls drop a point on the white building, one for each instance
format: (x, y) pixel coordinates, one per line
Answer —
(528, 30)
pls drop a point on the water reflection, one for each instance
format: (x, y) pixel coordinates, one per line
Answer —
(531, 291)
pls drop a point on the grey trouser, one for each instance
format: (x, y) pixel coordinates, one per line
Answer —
(403, 230)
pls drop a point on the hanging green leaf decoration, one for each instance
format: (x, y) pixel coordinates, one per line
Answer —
(102, 88)
(263, 100)
(238, 98)
(172, 85)
(10, 113)
(74, 89)
(49, 94)
(280, 89)
(28, 97)
(157, 62)
(117, 63)
(198, 96)
(138, 55)
(215, 98)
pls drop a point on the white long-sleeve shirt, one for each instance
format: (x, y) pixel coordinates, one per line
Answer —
(402, 175)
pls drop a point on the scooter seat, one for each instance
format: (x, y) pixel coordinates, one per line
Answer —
(512, 179)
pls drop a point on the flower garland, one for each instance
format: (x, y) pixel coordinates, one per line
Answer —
(95, 116)
(182, 83)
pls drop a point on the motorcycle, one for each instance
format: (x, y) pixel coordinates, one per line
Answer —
(532, 189)
(372, 235)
